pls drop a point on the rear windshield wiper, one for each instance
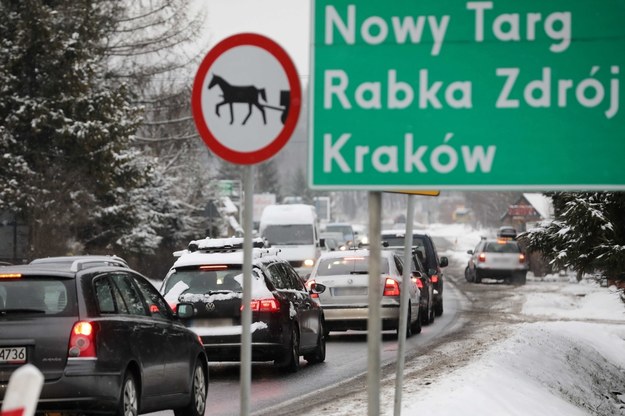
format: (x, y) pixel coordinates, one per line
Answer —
(218, 291)
(359, 272)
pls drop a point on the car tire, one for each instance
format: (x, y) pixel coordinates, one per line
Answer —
(432, 315)
(424, 315)
(291, 362)
(467, 274)
(319, 355)
(129, 397)
(199, 389)
(476, 277)
(416, 327)
(438, 308)
(520, 278)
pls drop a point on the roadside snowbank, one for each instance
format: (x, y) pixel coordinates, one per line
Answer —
(572, 362)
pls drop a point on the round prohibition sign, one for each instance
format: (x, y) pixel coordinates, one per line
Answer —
(246, 98)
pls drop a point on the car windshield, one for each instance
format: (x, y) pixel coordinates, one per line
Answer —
(397, 240)
(45, 296)
(502, 247)
(346, 230)
(348, 265)
(289, 234)
(205, 279)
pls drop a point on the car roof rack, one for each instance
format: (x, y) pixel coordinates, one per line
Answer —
(81, 264)
(222, 245)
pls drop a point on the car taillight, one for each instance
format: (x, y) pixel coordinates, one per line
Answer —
(391, 287)
(309, 284)
(482, 257)
(264, 305)
(82, 340)
(434, 278)
(419, 283)
(521, 258)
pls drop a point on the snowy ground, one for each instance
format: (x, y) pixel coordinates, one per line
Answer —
(561, 351)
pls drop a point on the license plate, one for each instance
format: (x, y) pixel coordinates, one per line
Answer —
(350, 291)
(12, 355)
(212, 323)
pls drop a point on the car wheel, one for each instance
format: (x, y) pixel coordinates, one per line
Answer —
(129, 398)
(319, 355)
(467, 274)
(199, 388)
(291, 362)
(520, 278)
(416, 326)
(438, 308)
(476, 277)
(432, 313)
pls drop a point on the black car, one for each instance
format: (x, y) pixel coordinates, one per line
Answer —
(286, 322)
(434, 265)
(425, 285)
(104, 338)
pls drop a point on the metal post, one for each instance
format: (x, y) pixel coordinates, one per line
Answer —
(403, 309)
(246, 315)
(374, 327)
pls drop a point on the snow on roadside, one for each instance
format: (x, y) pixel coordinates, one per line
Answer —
(562, 365)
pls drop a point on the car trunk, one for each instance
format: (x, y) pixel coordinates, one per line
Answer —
(45, 342)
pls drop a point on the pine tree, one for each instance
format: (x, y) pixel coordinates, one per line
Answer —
(268, 179)
(67, 130)
(588, 234)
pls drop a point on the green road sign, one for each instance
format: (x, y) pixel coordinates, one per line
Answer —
(506, 94)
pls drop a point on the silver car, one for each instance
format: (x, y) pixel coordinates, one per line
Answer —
(500, 258)
(341, 279)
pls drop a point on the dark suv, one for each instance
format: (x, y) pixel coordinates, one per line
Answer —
(104, 338)
(286, 321)
(433, 264)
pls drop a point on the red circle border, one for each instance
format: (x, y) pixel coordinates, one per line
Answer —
(260, 155)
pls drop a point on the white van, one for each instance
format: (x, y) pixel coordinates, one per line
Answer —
(293, 229)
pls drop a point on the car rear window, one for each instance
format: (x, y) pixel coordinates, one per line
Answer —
(502, 247)
(348, 265)
(38, 295)
(203, 279)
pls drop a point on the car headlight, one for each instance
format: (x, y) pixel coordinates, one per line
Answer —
(309, 263)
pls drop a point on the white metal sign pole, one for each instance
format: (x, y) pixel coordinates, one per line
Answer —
(246, 318)
(403, 308)
(374, 327)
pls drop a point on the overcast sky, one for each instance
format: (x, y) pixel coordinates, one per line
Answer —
(287, 22)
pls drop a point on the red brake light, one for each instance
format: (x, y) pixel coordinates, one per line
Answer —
(82, 340)
(391, 287)
(419, 283)
(213, 267)
(264, 305)
(309, 285)
(482, 257)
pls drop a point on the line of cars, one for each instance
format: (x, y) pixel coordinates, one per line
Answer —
(104, 337)
(341, 280)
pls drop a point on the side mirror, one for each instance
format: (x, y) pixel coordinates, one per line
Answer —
(470, 252)
(317, 288)
(185, 310)
(444, 261)
(416, 274)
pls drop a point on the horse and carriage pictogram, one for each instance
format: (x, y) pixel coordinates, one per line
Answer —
(250, 95)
